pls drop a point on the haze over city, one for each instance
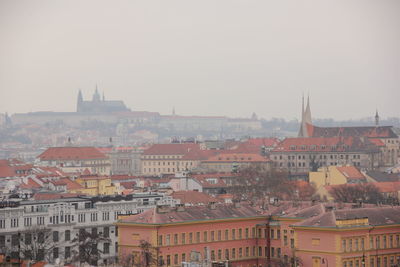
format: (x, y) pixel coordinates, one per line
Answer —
(203, 57)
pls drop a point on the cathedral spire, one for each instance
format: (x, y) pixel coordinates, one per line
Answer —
(376, 118)
(96, 95)
(79, 102)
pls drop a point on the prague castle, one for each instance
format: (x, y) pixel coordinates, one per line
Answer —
(98, 105)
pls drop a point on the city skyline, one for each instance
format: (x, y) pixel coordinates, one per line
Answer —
(244, 58)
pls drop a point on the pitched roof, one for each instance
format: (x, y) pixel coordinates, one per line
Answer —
(47, 196)
(71, 153)
(194, 213)
(193, 197)
(71, 185)
(31, 184)
(170, 149)
(376, 216)
(383, 176)
(204, 180)
(200, 154)
(324, 144)
(268, 142)
(366, 131)
(351, 172)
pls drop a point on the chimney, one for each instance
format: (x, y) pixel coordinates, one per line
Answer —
(212, 205)
(163, 208)
(180, 207)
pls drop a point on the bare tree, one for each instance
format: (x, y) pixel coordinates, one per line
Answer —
(256, 182)
(86, 246)
(366, 193)
(37, 244)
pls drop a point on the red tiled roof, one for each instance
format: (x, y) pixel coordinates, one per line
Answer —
(71, 185)
(366, 131)
(31, 184)
(377, 142)
(388, 187)
(321, 144)
(193, 197)
(71, 153)
(237, 157)
(351, 172)
(203, 180)
(268, 142)
(128, 185)
(170, 149)
(199, 154)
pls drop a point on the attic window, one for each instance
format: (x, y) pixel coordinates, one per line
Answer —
(292, 147)
(323, 147)
(313, 147)
(303, 147)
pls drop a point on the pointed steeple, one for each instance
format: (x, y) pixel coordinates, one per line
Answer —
(305, 118)
(307, 113)
(79, 102)
(96, 95)
(376, 118)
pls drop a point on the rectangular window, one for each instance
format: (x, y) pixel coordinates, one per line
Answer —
(212, 236)
(190, 238)
(55, 236)
(55, 253)
(167, 240)
(183, 238)
(219, 254)
(233, 234)
(233, 253)
(67, 252)
(67, 235)
(278, 234)
(160, 240)
(272, 234)
(175, 239)
(176, 259)
(247, 251)
(183, 257)
(240, 252)
(219, 235)
(197, 237)
(240, 233)
(247, 233)
(106, 248)
(226, 234)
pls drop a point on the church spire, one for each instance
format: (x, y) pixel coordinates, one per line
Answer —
(96, 95)
(79, 102)
(376, 118)
(305, 118)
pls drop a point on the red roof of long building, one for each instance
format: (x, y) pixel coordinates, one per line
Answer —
(324, 144)
(237, 157)
(71, 153)
(170, 149)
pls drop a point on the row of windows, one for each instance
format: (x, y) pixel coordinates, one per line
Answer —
(332, 156)
(219, 235)
(374, 261)
(225, 254)
(375, 242)
(162, 157)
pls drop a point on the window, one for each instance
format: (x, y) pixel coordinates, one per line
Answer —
(28, 239)
(67, 252)
(344, 244)
(278, 234)
(260, 251)
(160, 240)
(247, 251)
(378, 242)
(183, 238)
(285, 240)
(212, 235)
(272, 234)
(183, 257)
(168, 259)
(240, 253)
(67, 235)
(14, 222)
(167, 240)
(198, 237)
(226, 254)
(219, 254)
(240, 233)
(247, 233)
(233, 234)
(190, 238)
(291, 243)
(55, 237)
(226, 234)
(176, 259)
(106, 248)
(272, 252)
(219, 235)
(55, 253)
(106, 232)
(205, 236)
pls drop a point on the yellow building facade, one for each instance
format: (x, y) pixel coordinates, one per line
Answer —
(94, 186)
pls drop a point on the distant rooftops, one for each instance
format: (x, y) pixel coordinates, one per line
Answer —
(71, 153)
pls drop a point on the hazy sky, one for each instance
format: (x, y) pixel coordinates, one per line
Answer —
(204, 57)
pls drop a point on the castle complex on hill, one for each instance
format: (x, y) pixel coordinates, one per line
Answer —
(98, 105)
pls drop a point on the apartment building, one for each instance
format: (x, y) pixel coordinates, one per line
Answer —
(76, 159)
(301, 155)
(23, 222)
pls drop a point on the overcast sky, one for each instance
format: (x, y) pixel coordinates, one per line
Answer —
(204, 57)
